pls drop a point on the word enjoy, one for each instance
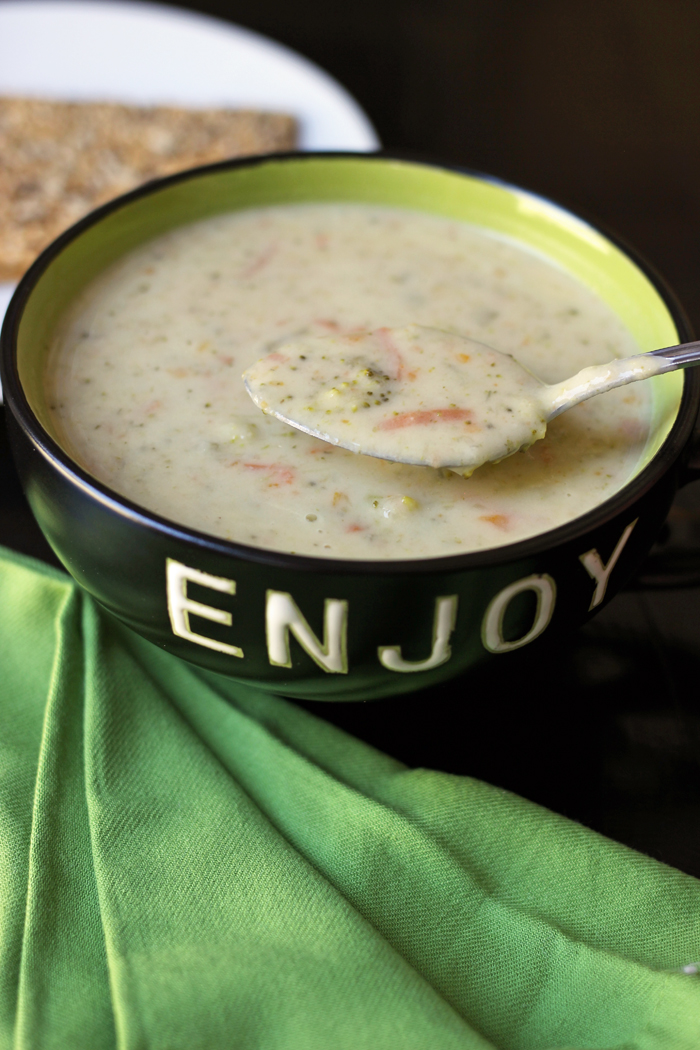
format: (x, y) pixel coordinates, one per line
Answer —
(284, 619)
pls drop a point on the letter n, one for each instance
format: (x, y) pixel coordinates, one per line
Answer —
(283, 616)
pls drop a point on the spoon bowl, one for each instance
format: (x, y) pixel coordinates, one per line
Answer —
(412, 395)
(425, 397)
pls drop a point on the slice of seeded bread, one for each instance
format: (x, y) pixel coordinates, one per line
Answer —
(58, 160)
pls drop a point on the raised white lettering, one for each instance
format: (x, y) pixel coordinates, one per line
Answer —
(544, 588)
(593, 564)
(180, 607)
(283, 615)
(443, 626)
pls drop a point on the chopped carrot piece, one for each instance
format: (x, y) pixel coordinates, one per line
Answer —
(632, 429)
(501, 521)
(541, 451)
(262, 260)
(432, 415)
(388, 345)
(285, 475)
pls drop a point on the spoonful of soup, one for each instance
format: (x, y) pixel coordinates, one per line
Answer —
(427, 397)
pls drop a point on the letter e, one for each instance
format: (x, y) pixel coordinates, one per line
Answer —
(180, 607)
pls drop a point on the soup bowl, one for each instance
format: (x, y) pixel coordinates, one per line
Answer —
(324, 628)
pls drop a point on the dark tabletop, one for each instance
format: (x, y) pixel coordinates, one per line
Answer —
(598, 106)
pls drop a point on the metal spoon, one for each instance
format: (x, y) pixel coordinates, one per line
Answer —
(427, 397)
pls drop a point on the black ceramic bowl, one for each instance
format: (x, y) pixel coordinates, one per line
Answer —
(321, 628)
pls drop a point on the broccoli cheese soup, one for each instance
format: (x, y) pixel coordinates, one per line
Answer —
(144, 380)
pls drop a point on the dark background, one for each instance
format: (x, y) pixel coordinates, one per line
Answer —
(593, 102)
(596, 104)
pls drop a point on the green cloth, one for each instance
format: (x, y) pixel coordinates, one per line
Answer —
(187, 863)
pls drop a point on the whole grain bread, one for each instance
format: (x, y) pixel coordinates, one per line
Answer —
(59, 160)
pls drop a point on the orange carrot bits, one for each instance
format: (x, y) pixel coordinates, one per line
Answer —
(463, 358)
(389, 347)
(542, 452)
(425, 416)
(258, 264)
(501, 521)
(281, 474)
(356, 528)
(632, 430)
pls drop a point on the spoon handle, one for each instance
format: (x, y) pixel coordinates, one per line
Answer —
(680, 356)
(596, 379)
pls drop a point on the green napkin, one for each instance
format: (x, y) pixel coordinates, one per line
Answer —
(186, 863)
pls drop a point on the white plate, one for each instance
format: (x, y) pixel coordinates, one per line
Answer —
(148, 54)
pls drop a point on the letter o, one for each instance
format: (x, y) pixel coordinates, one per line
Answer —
(492, 625)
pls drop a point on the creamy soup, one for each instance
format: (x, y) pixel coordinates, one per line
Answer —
(144, 381)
